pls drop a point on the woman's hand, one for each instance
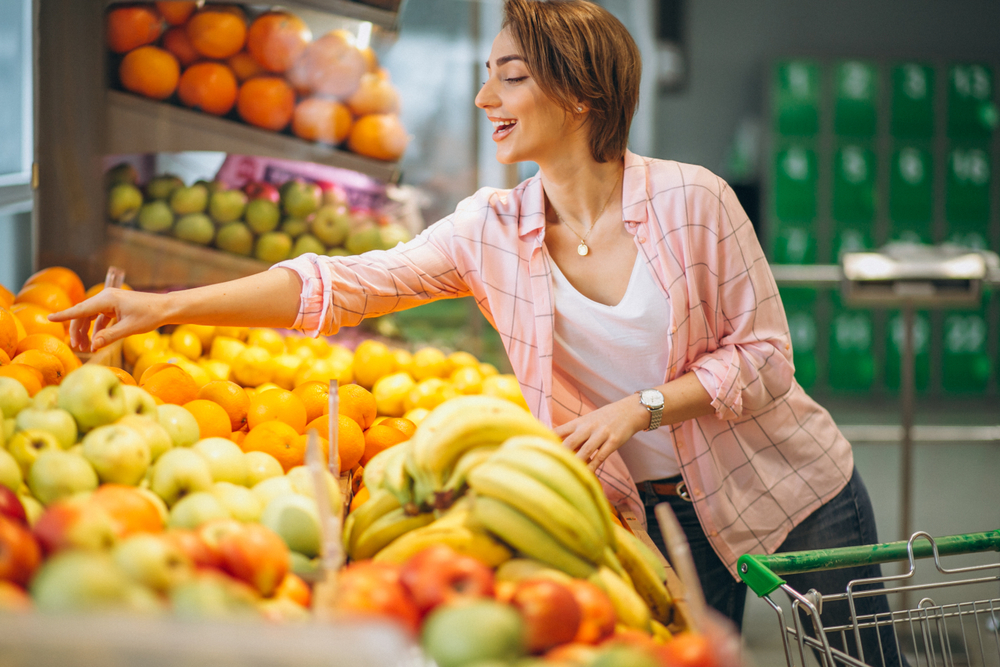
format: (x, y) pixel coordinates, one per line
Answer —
(125, 313)
(597, 434)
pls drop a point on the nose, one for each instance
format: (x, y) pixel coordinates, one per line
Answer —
(486, 97)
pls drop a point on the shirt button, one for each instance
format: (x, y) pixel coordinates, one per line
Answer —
(698, 494)
(713, 533)
(642, 239)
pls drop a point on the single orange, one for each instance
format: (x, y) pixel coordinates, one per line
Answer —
(294, 588)
(171, 385)
(123, 375)
(315, 396)
(65, 278)
(233, 399)
(177, 42)
(330, 65)
(217, 33)
(176, 12)
(35, 319)
(357, 403)
(324, 120)
(208, 86)
(376, 94)
(149, 370)
(279, 404)
(267, 102)
(359, 498)
(6, 297)
(276, 40)
(127, 28)
(8, 332)
(150, 71)
(213, 421)
(47, 295)
(244, 66)
(378, 438)
(131, 511)
(350, 439)
(401, 424)
(48, 365)
(324, 449)
(379, 136)
(28, 376)
(54, 346)
(277, 439)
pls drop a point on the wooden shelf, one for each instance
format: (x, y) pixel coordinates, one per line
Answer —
(139, 125)
(160, 262)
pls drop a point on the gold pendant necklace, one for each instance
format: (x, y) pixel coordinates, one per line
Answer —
(583, 249)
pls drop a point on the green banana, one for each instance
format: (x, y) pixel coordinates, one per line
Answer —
(374, 472)
(647, 574)
(462, 539)
(527, 537)
(384, 530)
(542, 505)
(397, 480)
(577, 467)
(629, 606)
(380, 502)
(456, 482)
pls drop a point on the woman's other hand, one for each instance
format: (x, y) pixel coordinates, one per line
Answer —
(125, 313)
(597, 434)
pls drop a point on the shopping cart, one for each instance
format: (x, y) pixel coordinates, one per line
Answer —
(931, 634)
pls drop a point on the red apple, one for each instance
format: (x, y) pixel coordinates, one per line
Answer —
(11, 507)
(13, 598)
(131, 511)
(194, 547)
(687, 649)
(262, 190)
(439, 574)
(211, 534)
(256, 555)
(20, 554)
(598, 613)
(367, 588)
(75, 523)
(550, 611)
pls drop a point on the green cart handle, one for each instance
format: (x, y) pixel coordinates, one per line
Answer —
(761, 572)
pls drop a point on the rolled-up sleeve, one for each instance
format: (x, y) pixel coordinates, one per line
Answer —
(749, 364)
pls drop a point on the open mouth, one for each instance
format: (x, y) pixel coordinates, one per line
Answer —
(501, 128)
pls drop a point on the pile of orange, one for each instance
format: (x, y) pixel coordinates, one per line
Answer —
(215, 58)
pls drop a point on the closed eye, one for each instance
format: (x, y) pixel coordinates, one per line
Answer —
(515, 79)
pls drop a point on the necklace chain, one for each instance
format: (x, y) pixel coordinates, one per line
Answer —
(583, 249)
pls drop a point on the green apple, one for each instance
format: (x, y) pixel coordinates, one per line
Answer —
(235, 237)
(155, 217)
(294, 227)
(10, 472)
(331, 225)
(300, 198)
(32, 507)
(196, 509)
(307, 243)
(57, 474)
(93, 395)
(394, 233)
(152, 561)
(242, 504)
(119, 454)
(180, 424)
(194, 228)
(226, 205)
(213, 596)
(363, 239)
(46, 398)
(138, 401)
(295, 519)
(13, 397)
(478, 631)
(56, 421)
(151, 431)
(261, 466)
(25, 446)
(272, 488)
(225, 459)
(262, 216)
(273, 247)
(189, 199)
(178, 473)
(124, 201)
(87, 582)
(162, 186)
(308, 568)
(302, 483)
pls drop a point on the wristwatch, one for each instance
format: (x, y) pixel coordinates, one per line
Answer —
(652, 400)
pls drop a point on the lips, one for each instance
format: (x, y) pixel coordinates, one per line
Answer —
(501, 128)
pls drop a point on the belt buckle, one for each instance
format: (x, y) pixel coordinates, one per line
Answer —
(682, 491)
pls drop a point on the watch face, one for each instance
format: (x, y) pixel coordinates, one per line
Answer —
(651, 398)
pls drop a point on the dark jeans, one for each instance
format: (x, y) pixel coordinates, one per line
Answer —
(846, 520)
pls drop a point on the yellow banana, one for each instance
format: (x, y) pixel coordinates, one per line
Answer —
(577, 467)
(379, 503)
(397, 480)
(519, 569)
(454, 486)
(629, 606)
(374, 472)
(384, 530)
(647, 574)
(526, 536)
(462, 539)
(542, 505)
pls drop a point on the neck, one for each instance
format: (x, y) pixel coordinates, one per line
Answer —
(579, 190)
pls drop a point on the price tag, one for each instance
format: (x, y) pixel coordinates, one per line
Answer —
(854, 184)
(968, 188)
(855, 112)
(911, 192)
(912, 101)
(796, 97)
(971, 112)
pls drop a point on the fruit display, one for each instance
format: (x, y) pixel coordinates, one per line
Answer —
(260, 67)
(260, 220)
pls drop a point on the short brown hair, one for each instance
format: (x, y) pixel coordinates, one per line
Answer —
(577, 50)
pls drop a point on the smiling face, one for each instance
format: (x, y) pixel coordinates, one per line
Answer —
(528, 125)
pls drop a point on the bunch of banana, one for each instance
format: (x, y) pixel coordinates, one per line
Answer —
(454, 428)
(378, 522)
(646, 573)
(454, 528)
(629, 606)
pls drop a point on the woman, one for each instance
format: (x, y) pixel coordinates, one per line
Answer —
(630, 293)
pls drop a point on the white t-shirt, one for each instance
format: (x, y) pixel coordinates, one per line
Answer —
(638, 328)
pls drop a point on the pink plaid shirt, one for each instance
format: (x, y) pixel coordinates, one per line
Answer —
(765, 460)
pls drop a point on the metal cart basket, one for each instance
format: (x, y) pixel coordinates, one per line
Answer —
(931, 634)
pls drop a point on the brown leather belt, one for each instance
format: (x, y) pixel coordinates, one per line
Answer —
(678, 488)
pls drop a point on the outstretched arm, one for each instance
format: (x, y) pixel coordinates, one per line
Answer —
(266, 299)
